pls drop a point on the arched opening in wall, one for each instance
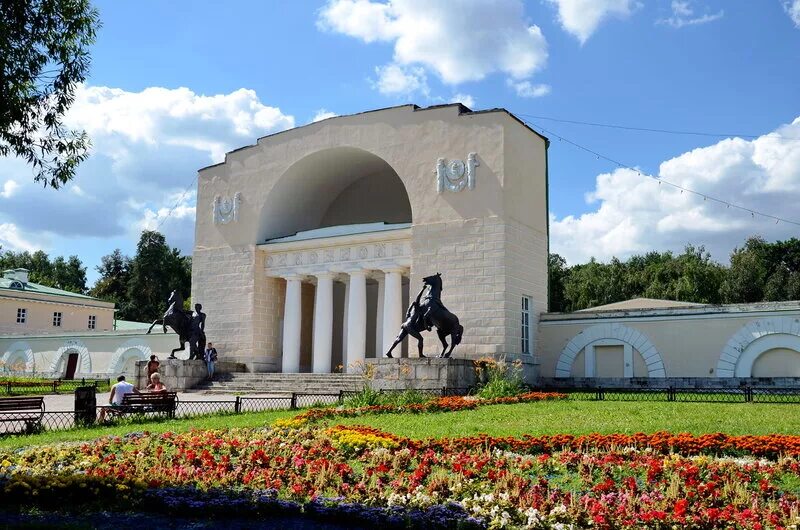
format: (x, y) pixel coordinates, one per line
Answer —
(334, 187)
(609, 359)
(773, 355)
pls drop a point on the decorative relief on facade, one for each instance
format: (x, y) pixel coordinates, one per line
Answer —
(226, 209)
(346, 256)
(455, 175)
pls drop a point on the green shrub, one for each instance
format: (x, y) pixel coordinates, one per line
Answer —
(498, 378)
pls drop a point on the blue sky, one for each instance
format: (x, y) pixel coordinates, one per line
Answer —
(700, 65)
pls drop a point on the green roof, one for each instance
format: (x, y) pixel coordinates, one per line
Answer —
(5, 283)
(127, 325)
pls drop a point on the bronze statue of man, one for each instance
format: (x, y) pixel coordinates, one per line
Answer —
(413, 325)
(197, 336)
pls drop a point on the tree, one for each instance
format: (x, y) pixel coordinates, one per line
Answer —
(557, 272)
(154, 272)
(69, 274)
(112, 285)
(43, 58)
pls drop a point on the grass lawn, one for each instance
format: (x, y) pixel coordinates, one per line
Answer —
(250, 419)
(546, 417)
(576, 417)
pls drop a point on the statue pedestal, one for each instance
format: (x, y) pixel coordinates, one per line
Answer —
(177, 375)
(420, 374)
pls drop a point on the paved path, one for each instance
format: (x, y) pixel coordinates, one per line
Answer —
(66, 402)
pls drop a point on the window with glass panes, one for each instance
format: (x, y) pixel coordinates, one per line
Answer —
(57, 319)
(92, 321)
(526, 324)
(22, 315)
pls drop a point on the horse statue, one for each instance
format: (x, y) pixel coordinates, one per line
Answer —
(177, 319)
(426, 312)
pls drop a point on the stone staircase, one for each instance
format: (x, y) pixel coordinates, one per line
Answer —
(271, 383)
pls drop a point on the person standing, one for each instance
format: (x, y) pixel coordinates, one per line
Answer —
(152, 366)
(210, 355)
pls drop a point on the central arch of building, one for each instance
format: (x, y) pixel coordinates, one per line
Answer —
(337, 227)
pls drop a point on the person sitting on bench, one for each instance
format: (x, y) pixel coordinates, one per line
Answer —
(155, 384)
(118, 392)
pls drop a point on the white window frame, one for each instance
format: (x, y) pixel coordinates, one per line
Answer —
(22, 315)
(525, 325)
(92, 322)
(57, 316)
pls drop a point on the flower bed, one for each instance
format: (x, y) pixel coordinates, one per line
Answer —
(362, 474)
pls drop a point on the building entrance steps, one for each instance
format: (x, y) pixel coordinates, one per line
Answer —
(278, 383)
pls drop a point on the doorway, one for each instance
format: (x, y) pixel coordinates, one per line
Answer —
(72, 365)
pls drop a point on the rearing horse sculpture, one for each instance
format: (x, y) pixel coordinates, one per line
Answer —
(429, 311)
(436, 314)
(177, 319)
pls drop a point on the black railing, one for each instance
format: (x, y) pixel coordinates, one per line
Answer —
(55, 386)
(745, 394)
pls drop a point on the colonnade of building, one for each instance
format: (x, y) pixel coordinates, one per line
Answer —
(390, 315)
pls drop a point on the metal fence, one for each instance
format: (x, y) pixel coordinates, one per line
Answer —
(746, 394)
(62, 420)
(55, 386)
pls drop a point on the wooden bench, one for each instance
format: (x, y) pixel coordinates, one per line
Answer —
(144, 403)
(27, 410)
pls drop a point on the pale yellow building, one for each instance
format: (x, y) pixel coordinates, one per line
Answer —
(310, 243)
(27, 307)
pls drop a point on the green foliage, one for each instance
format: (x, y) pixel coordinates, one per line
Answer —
(152, 274)
(759, 271)
(67, 274)
(498, 378)
(367, 397)
(43, 59)
(112, 285)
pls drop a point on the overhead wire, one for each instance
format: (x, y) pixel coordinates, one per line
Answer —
(656, 130)
(705, 196)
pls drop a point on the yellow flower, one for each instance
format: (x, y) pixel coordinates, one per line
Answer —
(6, 463)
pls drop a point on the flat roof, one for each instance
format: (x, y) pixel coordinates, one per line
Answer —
(462, 110)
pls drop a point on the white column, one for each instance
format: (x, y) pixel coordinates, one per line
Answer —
(292, 321)
(392, 307)
(356, 320)
(323, 324)
(379, 318)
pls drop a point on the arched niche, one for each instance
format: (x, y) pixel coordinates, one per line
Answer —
(18, 358)
(773, 337)
(59, 364)
(636, 349)
(331, 187)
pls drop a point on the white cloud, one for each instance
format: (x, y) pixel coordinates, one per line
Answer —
(683, 15)
(526, 89)
(8, 189)
(147, 147)
(323, 114)
(395, 80)
(792, 8)
(464, 99)
(460, 40)
(583, 17)
(12, 239)
(635, 214)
